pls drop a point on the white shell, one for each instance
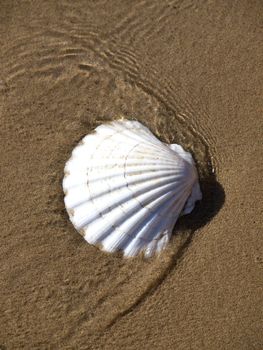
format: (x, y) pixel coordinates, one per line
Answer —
(125, 189)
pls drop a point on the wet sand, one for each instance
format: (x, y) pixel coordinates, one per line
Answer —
(192, 72)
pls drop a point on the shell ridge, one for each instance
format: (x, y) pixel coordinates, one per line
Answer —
(151, 194)
(115, 228)
(115, 241)
(99, 213)
(173, 177)
(72, 182)
(129, 133)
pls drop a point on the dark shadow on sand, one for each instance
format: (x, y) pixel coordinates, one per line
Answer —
(205, 210)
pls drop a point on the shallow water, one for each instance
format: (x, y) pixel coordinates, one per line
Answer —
(176, 67)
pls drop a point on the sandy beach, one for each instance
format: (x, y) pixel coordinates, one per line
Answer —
(192, 72)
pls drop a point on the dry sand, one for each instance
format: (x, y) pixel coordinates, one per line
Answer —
(191, 71)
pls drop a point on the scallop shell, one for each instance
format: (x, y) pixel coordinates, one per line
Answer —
(125, 189)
